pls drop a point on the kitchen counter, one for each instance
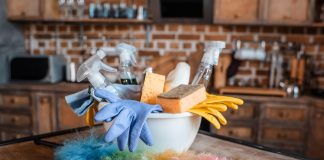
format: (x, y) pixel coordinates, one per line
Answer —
(27, 148)
(73, 87)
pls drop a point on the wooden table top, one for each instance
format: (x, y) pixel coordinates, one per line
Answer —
(204, 142)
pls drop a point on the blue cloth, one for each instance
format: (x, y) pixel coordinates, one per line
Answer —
(80, 102)
(130, 120)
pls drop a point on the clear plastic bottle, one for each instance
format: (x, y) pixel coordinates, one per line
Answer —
(127, 57)
(210, 58)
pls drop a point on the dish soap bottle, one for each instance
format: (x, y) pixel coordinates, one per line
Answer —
(210, 58)
(127, 60)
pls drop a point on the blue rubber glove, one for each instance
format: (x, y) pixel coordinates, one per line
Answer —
(130, 120)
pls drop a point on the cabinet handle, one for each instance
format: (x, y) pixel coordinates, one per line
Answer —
(230, 132)
(319, 115)
(12, 100)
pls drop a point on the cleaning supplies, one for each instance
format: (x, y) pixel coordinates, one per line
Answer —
(153, 86)
(127, 58)
(181, 98)
(129, 120)
(180, 75)
(210, 58)
(90, 70)
(212, 107)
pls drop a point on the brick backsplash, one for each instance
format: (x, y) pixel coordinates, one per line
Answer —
(176, 39)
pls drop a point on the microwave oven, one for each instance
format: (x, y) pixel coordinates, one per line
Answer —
(24, 68)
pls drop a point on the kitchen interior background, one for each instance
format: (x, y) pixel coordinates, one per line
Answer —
(163, 44)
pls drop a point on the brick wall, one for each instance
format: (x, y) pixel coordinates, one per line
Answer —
(170, 39)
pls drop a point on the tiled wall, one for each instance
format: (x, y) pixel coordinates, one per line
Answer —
(175, 39)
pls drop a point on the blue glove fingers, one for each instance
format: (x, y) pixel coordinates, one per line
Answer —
(101, 93)
(146, 135)
(121, 123)
(156, 108)
(122, 140)
(108, 112)
(135, 133)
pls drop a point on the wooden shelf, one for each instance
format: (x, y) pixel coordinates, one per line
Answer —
(83, 20)
(135, 21)
(252, 91)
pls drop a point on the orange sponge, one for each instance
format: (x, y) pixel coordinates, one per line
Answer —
(152, 87)
(181, 98)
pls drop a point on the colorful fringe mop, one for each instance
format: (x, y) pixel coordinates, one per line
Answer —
(95, 148)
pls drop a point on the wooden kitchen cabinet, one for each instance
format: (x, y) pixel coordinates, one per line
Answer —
(33, 9)
(24, 9)
(35, 109)
(66, 117)
(316, 133)
(287, 11)
(236, 10)
(45, 113)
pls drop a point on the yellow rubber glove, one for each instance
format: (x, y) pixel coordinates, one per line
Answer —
(90, 114)
(219, 106)
(207, 116)
(219, 99)
(210, 108)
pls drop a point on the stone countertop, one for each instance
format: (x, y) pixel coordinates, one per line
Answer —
(204, 142)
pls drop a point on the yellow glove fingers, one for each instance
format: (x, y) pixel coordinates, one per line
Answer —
(219, 116)
(215, 99)
(219, 106)
(231, 105)
(207, 116)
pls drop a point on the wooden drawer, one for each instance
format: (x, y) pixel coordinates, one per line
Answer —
(239, 132)
(280, 112)
(277, 134)
(247, 111)
(10, 135)
(15, 120)
(15, 100)
(286, 147)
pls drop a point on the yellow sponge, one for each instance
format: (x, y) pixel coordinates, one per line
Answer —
(152, 87)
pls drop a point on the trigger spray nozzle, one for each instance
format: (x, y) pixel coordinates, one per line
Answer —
(90, 69)
(127, 54)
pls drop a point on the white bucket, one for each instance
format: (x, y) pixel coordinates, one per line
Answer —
(170, 131)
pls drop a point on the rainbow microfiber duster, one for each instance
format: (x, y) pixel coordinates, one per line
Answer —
(91, 147)
(94, 147)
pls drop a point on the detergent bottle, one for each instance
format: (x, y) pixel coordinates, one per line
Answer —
(209, 59)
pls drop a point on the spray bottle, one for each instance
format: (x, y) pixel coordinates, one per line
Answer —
(90, 69)
(210, 58)
(127, 59)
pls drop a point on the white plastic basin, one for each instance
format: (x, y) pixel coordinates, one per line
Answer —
(171, 131)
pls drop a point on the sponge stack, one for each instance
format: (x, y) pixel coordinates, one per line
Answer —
(181, 98)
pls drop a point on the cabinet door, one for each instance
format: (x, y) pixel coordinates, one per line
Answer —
(19, 9)
(45, 113)
(66, 117)
(316, 138)
(287, 11)
(236, 10)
